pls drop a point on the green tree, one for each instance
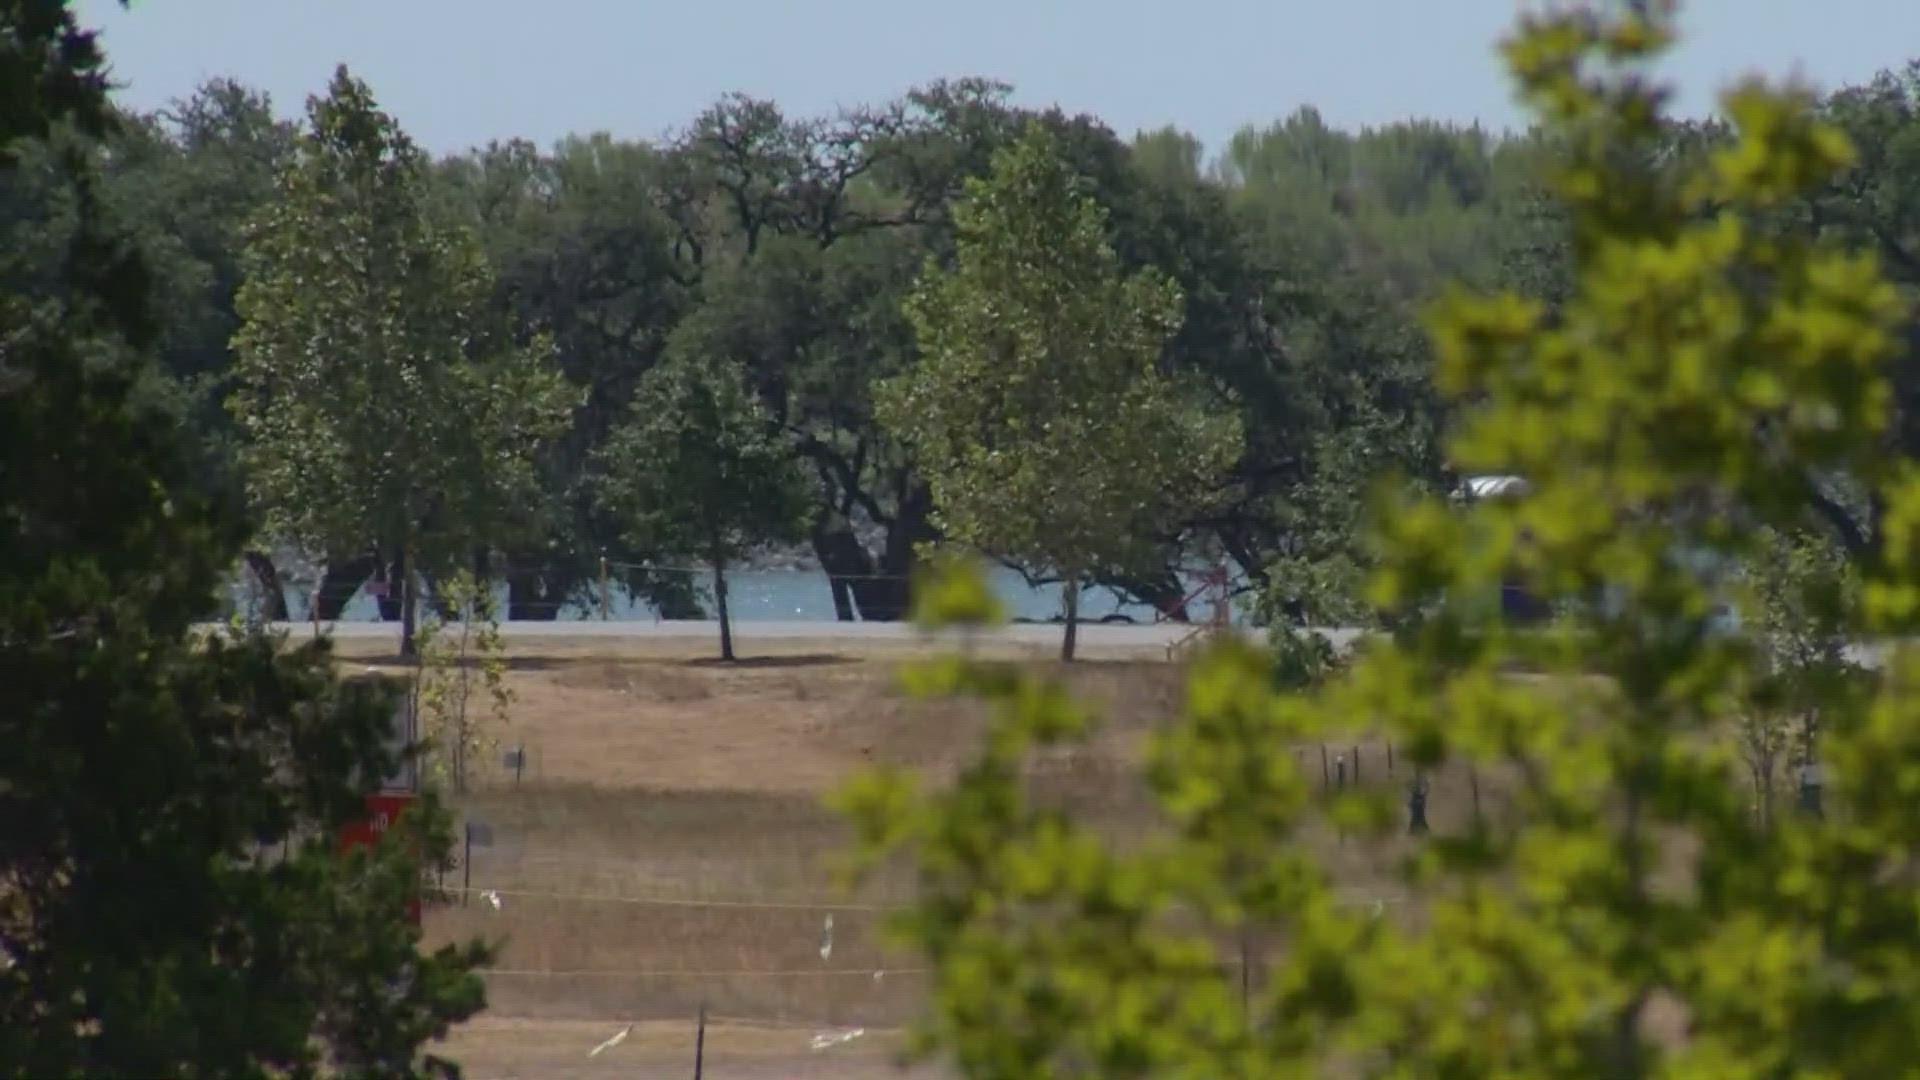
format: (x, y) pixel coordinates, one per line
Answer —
(1701, 369)
(462, 656)
(1800, 606)
(383, 405)
(174, 900)
(1038, 411)
(802, 246)
(699, 473)
(584, 254)
(186, 180)
(177, 185)
(1875, 204)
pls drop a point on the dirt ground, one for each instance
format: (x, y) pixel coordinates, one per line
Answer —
(524, 1049)
(666, 847)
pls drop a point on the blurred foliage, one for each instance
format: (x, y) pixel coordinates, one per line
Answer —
(1701, 379)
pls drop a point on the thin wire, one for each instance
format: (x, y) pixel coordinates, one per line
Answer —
(702, 973)
(668, 901)
(662, 568)
(777, 905)
(1198, 574)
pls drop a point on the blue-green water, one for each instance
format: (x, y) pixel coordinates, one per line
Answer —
(803, 595)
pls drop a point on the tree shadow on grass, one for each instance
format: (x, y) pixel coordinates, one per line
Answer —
(749, 663)
(394, 665)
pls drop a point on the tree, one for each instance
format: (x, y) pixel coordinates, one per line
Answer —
(462, 655)
(1803, 595)
(186, 180)
(1621, 913)
(383, 406)
(147, 926)
(177, 186)
(1875, 203)
(1038, 412)
(798, 240)
(698, 473)
(584, 255)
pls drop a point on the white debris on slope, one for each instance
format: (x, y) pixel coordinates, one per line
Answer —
(834, 1038)
(618, 1038)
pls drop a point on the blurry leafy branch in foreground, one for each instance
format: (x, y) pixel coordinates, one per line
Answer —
(1627, 915)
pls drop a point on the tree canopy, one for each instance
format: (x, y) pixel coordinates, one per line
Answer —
(383, 407)
(1038, 411)
(699, 474)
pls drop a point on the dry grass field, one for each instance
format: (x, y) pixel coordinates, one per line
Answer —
(667, 848)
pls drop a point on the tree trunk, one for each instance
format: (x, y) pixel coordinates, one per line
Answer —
(881, 598)
(525, 602)
(842, 594)
(845, 562)
(720, 604)
(863, 587)
(338, 584)
(273, 594)
(889, 596)
(1164, 592)
(409, 606)
(1071, 596)
(389, 602)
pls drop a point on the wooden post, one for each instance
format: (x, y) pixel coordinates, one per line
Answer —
(1326, 770)
(1389, 757)
(606, 593)
(700, 1043)
(466, 866)
(1473, 781)
(1222, 611)
(1356, 763)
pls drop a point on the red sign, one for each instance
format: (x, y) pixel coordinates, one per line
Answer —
(382, 811)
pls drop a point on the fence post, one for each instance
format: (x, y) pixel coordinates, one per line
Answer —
(700, 1043)
(1326, 770)
(606, 594)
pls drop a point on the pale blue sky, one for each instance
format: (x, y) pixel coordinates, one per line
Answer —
(460, 72)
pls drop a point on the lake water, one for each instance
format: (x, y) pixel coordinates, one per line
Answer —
(803, 595)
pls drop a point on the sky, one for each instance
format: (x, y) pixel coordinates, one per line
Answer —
(459, 73)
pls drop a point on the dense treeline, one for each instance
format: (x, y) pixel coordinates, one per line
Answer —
(786, 246)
